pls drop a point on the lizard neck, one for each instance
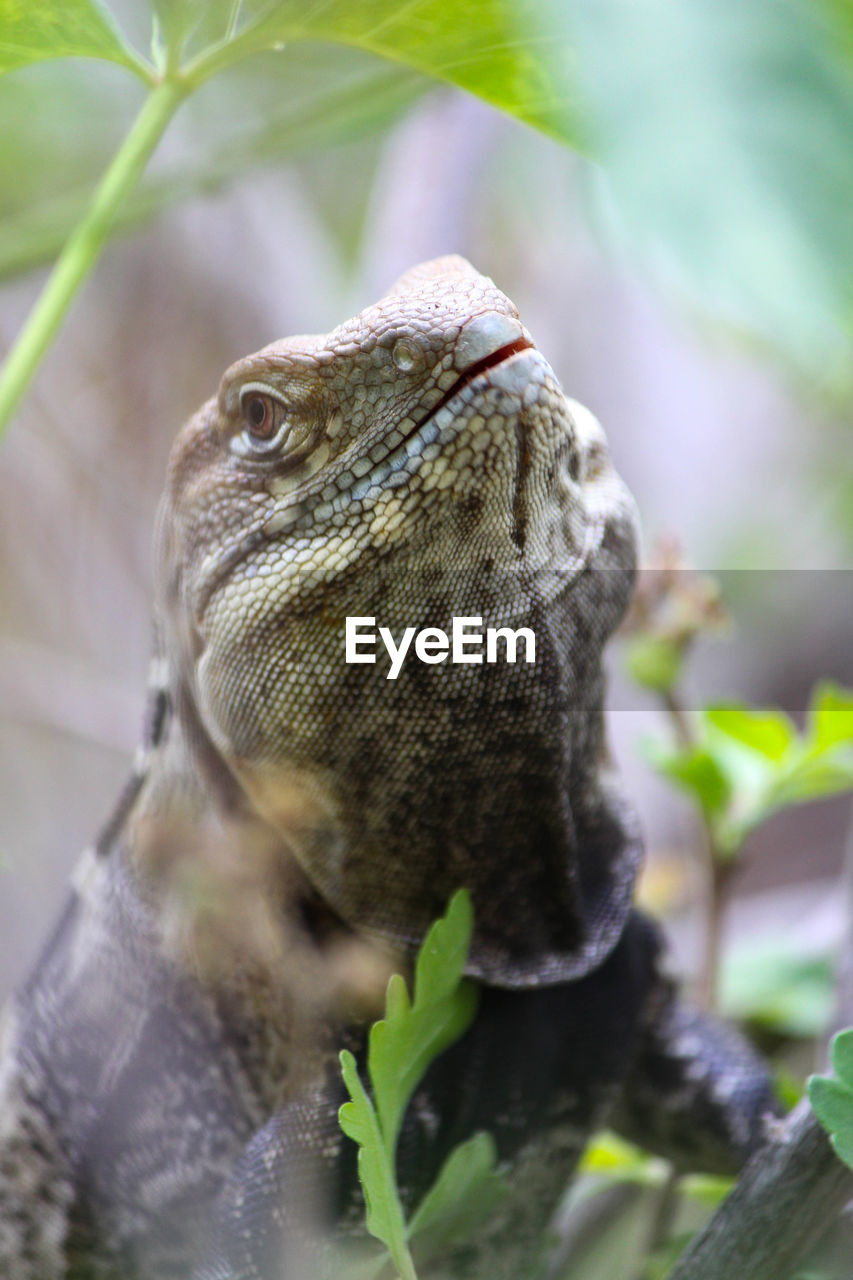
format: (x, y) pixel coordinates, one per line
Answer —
(217, 891)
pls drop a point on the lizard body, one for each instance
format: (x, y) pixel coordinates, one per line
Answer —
(295, 819)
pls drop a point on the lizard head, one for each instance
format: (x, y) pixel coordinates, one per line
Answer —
(420, 463)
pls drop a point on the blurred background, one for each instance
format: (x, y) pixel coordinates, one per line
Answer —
(689, 284)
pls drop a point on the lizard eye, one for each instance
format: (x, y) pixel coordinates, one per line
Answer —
(265, 428)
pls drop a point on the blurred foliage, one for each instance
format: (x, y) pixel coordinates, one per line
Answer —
(771, 986)
(636, 1218)
(251, 117)
(305, 94)
(744, 765)
(501, 51)
(721, 130)
(724, 129)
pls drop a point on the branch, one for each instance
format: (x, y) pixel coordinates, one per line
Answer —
(788, 1195)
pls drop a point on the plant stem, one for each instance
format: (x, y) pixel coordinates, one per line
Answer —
(684, 735)
(718, 870)
(84, 245)
(663, 1217)
(719, 876)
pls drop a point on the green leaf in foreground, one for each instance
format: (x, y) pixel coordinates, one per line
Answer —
(410, 1036)
(384, 1211)
(32, 32)
(832, 1097)
(400, 1049)
(465, 1192)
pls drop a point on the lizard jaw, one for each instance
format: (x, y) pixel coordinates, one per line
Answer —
(474, 370)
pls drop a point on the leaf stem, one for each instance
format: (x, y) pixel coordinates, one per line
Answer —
(84, 245)
(718, 870)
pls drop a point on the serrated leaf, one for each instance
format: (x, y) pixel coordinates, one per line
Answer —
(358, 1120)
(830, 721)
(400, 1049)
(410, 1036)
(832, 1103)
(32, 32)
(770, 733)
(466, 1191)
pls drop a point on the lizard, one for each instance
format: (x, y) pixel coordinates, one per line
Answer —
(294, 821)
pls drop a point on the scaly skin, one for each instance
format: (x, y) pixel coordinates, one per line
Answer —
(295, 818)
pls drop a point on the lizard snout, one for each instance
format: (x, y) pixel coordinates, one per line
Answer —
(486, 334)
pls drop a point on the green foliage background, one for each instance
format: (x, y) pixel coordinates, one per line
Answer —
(722, 128)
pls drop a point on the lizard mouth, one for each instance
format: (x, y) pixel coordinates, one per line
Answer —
(256, 536)
(473, 371)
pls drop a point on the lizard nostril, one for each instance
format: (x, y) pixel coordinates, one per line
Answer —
(483, 335)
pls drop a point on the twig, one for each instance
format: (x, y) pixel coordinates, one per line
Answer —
(663, 1217)
(785, 1199)
(843, 1013)
(718, 870)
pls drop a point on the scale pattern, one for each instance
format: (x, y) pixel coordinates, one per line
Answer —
(168, 1085)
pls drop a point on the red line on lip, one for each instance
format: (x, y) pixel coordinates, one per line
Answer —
(478, 367)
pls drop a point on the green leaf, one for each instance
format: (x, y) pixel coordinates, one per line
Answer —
(410, 1036)
(33, 30)
(613, 1157)
(358, 1120)
(696, 771)
(466, 1191)
(832, 1103)
(400, 1049)
(832, 1097)
(654, 662)
(60, 123)
(842, 1057)
(770, 733)
(830, 720)
(515, 54)
(808, 779)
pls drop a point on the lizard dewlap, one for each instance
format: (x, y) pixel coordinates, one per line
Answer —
(169, 1079)
(417, 464)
